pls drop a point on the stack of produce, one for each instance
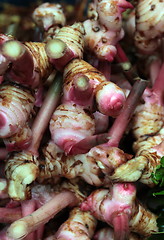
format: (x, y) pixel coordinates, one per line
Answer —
(81, 124)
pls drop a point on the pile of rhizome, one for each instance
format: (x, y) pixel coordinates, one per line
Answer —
(81, 119)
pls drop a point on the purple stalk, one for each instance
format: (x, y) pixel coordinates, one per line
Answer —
(28, 207)
(24, 65)
(120, 124)
(121, 226)
(44, 115)
(9, 215)
(118, 128)
(125, 64)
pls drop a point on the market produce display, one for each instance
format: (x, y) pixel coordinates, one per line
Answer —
(82, 120)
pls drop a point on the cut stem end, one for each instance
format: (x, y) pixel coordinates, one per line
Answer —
(55, 48)
(12, 49)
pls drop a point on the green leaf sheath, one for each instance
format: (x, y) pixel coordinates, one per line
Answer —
(158, 175)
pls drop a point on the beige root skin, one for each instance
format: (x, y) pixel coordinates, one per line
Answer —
(16, 107)
(79, 225)
(149, 25)
(42, 64)
(67, 45)
(20, 140)
(95, 167)
(141, 167)
(148, 112)
(143, 221)
(57, 164)
(73, 37)
(21, 170)
(47, 15)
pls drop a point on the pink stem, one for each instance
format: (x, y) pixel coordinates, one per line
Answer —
(160, 148)
(28, 207)
(87, 143)
(121, 227)
(105, 68)
(40, 231)
(123, 5)
(13, 204)
(159, 82)
(43, 117)
(86, 89)
(120, 124)
(42, 215)
(31, 236)
(121, 57)
(60, 63)
(1, 79)
(8, 215)
(3, 153)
